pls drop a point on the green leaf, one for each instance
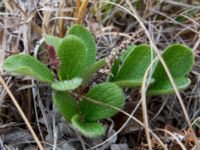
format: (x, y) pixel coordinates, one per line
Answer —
(132, 71)
(114, 70)
(92, 69)
(165, 86)
(53, 41)
(72, 55)
(179, 59)
(130, 83)
(117, 63)
(27, 65)
(126, 52)
(88, 39)
(65, 104)
(106, 93)
(67, 84)
(88, 129)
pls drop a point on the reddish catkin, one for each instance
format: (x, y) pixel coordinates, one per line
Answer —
(54, 61)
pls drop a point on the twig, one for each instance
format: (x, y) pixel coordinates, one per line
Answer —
(21, 113)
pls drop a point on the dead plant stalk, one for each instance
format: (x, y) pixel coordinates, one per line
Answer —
(82, 11)
(78, 4)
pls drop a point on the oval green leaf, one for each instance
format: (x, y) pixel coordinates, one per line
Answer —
(88, 129)
(67, 84)
(179, 59)
(66, 104)
(27, 65)
(117, 63)
(106, 93)
(165, 86)
(72, 56)
(132, 71)
(126, 52)
(88, 39)
(53, 41)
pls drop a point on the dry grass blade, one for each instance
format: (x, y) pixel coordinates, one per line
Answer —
(78, 4)
(61, 23)
(196, 121)
(82, 11)
(2, 49)
(45, 25)
(175, 138)
(21, 113)
(144, 105)
(180, 4)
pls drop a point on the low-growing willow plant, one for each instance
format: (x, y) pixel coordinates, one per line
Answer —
(75, 63)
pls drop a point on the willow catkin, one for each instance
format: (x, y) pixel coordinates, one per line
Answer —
(54, 61)
(116, 52)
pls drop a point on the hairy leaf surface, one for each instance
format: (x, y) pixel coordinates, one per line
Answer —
(67, 84)
(134, 67)
(106, 93)
(88, 39)
(88, 129)
(65, 104)
(53, 41)
(179, 60)
(27, 65)
(72, 55)
(117, 63)
(126, 52)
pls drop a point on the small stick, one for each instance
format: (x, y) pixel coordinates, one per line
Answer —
(82, 11)
(21, 113)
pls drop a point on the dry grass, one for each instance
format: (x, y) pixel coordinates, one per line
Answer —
(163, 119)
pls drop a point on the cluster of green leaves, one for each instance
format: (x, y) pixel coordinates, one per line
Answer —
(129, 70)
(77, 55)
